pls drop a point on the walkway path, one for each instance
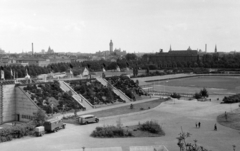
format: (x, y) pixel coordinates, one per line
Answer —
(108, 107)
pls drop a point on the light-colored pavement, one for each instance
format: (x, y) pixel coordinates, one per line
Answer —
(171, 116)
(142, 80)
(109, 107)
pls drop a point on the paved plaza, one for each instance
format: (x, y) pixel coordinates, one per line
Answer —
(172, 115)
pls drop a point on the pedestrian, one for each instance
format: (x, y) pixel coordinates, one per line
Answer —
(199, 124)
(196, 124)
(225, 116)
(215, 127)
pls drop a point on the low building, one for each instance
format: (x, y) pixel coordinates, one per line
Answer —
(33, 61)
(6, 60)
(188, 55)
(59, 59)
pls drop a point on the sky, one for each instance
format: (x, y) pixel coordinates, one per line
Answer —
(87, 26)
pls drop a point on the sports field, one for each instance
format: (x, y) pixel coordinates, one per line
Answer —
(215, 84)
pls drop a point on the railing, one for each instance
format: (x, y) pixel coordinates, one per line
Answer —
(75, 93)
(65, 88)
(169, 93)
(121, 93)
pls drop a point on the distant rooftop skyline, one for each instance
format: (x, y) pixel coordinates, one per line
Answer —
(87, 26)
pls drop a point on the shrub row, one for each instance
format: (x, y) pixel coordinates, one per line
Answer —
(18, 131)
(232, 99)
(176, 95)
(152, 127)
(110, 131)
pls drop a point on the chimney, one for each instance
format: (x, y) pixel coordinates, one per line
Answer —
(205, 48)
(32, 48)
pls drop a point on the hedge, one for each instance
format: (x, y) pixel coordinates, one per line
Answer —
(232, 99)
(18, 131)
(110, 131)
(152, 127)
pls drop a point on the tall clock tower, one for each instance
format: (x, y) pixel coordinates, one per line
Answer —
(111, 47)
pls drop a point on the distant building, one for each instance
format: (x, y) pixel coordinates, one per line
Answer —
(6, 60)
(50, 51)
(119, 52)
(2, 51)
(173, 56)
(33, 61)
(107, 53)
(43, 51)
(59, 59)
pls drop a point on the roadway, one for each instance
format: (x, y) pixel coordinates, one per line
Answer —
(172, 117)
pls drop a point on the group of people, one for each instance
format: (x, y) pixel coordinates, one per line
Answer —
(198, 125)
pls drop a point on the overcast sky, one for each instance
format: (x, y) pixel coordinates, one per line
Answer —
(133, 25)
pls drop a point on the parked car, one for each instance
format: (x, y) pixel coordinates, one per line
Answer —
(39, 131)
(85, 119)
(53, 125)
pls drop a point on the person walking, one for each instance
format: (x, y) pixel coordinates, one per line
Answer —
(199, 124)
(196, 124)
(215, 127)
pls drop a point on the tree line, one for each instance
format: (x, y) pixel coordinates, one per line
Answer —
(130, 61)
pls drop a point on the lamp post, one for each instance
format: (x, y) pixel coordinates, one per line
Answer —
(164, 86)
(52, 109)
(63, 108)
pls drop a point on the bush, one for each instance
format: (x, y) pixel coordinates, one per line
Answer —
(202, 94)
(232, 99)
(152, 127)
(176, 95)
(110, 131)
(197, 95)
(7, 134)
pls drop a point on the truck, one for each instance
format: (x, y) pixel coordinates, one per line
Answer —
(85, 119)
(39, 131)
(53, 125)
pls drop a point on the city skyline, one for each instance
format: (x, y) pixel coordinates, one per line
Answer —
(134, 26)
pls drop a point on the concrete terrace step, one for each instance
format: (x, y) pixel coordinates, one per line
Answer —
(78, 97)
(118, 92)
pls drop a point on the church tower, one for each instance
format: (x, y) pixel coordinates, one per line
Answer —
(111, 47)
(170, 48)
(215, 49)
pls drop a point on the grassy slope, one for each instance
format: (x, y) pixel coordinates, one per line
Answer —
(233, 120)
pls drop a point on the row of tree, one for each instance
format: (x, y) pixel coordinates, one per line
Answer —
(130, 61)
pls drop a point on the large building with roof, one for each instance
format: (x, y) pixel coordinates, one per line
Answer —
(188, 55)
(33, 61)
